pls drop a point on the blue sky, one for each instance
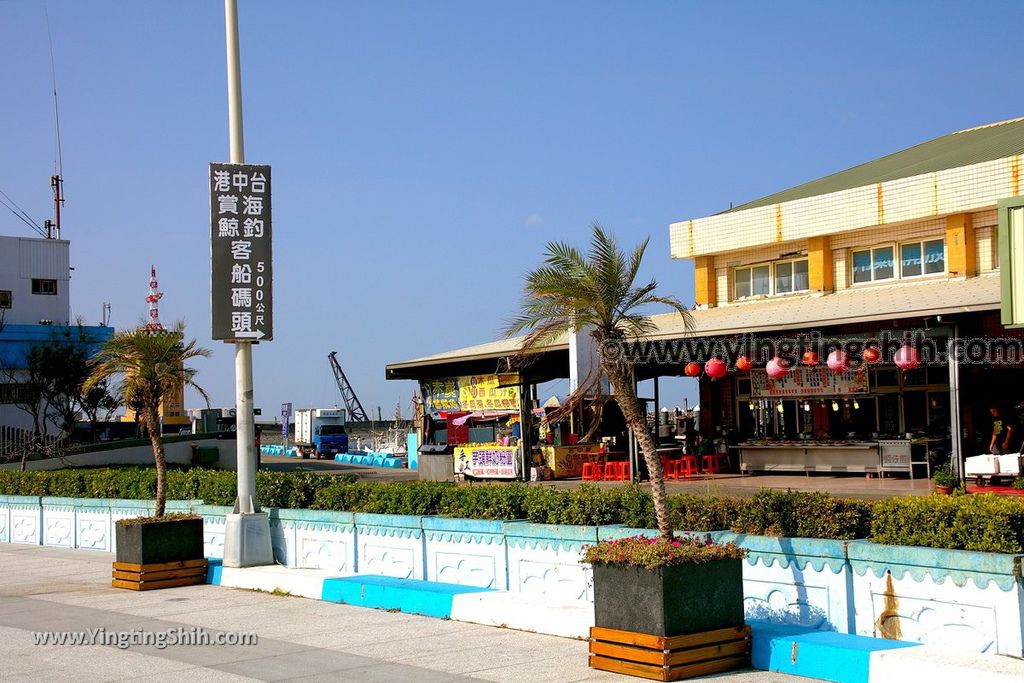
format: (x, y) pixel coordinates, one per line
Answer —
(424, 152)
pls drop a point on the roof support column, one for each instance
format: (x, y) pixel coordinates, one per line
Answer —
(705, 293)
(961, 246)
(820, 270)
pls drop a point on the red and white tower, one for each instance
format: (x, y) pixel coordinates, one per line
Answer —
(154, 297)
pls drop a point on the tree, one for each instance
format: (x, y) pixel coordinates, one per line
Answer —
(596, 292)
(153, 365)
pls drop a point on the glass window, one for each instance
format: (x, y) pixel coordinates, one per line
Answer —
(783, 278)
(934, 257)
(883, 265)
(862, 266)
(741, 283)
(870, 265)
(44, 286)
(910, 259)
(801, 282)
(760, 280)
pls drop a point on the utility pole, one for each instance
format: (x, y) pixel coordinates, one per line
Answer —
(247, 531)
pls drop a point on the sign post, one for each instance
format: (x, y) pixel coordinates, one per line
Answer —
(247, 529)
(286, 416)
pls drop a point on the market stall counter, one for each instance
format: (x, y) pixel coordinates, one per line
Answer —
(806, 455)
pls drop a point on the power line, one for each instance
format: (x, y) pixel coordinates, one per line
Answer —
(13, 207)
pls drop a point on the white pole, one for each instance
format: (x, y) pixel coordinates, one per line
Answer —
(246, 502)
(247, 530)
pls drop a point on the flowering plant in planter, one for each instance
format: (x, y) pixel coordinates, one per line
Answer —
(665, 587)
(651, 553)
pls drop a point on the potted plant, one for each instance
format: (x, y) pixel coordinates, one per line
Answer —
(163, 550)
(945, 480)
(667, 588)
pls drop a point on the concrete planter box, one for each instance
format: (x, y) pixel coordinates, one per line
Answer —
(158, 541)
(669, 601)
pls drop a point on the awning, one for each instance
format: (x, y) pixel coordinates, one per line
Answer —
(797, 313)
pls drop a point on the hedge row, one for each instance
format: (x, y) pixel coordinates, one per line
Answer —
(214, 487)
(981, 523)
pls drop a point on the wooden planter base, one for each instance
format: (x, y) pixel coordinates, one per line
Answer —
(144, 577)
(669, 658)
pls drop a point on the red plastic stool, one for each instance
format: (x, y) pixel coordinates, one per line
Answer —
(687, 467)
(619, 470)
(593, 471)
(712, 463)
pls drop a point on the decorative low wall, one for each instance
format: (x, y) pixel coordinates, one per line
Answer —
(940, 597)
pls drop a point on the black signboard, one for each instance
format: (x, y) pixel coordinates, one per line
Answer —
(242, 269)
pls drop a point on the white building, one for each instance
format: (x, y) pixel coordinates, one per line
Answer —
(35, 276)
(35, 304)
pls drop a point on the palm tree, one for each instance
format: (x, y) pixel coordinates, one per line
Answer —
(153, 365)
(597, 292)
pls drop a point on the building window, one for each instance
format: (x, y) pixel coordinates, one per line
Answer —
(922, 258)
(791, 276)
(13, 393)
(6, 298)
(753, 281)
(766, 279)
(872, 265)
(44, 286)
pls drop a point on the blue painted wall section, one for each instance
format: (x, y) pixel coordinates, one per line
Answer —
(386, 592)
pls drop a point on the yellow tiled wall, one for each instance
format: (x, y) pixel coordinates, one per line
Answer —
(840, 245)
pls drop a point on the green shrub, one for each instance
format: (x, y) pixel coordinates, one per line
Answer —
(982, 523)
(807, 515)
(637, 508)
(697, 513)
(484, 501)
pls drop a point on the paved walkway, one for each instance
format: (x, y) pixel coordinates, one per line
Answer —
(48, 589)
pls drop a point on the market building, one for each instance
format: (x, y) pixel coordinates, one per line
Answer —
(900, 250)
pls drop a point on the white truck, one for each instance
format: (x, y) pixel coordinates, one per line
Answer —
(320, 432)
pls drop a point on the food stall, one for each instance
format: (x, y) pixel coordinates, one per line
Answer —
(477, 418)
(816, 420)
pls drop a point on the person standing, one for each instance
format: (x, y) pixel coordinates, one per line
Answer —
(1004, 431)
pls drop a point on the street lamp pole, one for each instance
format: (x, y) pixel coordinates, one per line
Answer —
(247, 531)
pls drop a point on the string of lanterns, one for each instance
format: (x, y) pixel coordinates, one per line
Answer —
(905, 358)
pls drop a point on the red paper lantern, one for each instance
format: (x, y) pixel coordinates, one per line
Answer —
(906, 358)
(692, 369)
(810, 358)
(838, 361)
(715, 368)
(743, 364)
(872, 354)
(777, 368)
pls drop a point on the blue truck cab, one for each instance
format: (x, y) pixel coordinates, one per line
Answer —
(330, 440)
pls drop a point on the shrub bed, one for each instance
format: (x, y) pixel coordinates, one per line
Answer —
(214, 487)
(981, 523)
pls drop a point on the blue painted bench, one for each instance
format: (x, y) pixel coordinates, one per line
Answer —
(429, 598)
(827, 655)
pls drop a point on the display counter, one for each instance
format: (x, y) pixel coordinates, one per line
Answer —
(824, 456)
(567, 461)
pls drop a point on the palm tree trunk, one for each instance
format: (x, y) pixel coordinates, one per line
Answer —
(153, 427)
(625, 396)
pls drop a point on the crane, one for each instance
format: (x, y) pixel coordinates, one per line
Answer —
(355, 408)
